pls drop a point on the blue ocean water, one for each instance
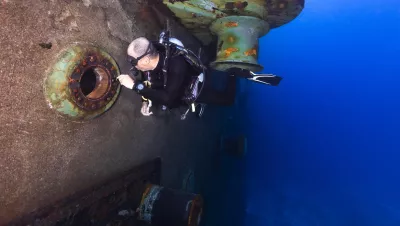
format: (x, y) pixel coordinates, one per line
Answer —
(324, 146)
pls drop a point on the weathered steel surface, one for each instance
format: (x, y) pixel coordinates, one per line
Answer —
(63, 83)
(100, 205)
(43, 157)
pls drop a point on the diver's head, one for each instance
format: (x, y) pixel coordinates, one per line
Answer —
(142, 54)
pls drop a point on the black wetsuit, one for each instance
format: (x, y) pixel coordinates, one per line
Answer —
(178, 78)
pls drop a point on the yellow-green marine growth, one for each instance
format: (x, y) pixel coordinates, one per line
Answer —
(82, 83)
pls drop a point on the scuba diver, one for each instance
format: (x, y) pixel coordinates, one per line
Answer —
(171, 79)
(174, 76)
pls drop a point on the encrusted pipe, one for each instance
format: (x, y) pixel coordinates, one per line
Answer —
(238, 25)
(238, 42)
(162, 206)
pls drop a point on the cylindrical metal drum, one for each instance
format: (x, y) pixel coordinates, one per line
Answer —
(162, 206)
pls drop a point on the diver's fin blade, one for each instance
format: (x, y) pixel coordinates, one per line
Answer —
(268, 79)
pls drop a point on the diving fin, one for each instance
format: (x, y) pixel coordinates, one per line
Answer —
(268, 79)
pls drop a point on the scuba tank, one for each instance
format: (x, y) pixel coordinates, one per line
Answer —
(174, 47)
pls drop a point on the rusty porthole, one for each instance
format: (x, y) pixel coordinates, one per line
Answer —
(82, 84)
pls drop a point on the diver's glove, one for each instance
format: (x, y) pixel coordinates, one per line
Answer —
(126, 81)
(145, 110)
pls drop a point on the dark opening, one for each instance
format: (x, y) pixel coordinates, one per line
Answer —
(88, 81)
(95, 82)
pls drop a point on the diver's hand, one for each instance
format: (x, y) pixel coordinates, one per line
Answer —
(145, 110)
(126, 81)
